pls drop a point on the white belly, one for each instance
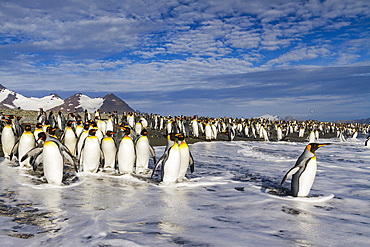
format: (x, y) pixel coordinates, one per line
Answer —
(172, 166)
(70, 141)
(109, 150)
(26, 143)
(126, 156)
(208, 132)
(184, 161)
(307, 177)
(91, 155)
(53, 163)
(7, 140)
(142, 154)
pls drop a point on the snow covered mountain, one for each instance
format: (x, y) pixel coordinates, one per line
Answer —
(12, 100)
(271, 117)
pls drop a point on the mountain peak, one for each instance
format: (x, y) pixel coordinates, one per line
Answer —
(78, 102)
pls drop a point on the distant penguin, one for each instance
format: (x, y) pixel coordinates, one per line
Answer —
(342, 138)
(131, 120)
(61, 121)
(41, 118)
(312, 137)
(8, 139)
(109, 148)
(185, 158)
(279, 133)
(142, 149)
(367, 141)
(52, 119)
(81, 139)
(126, 153)
(264, 133)
(38, 129)
(230, 132)
(110, 124)
(79, 128)
(208, 130)
(171, 162)
(91, 155)
(69, 138)
(304, 171)
(138, 127)
(87, 116)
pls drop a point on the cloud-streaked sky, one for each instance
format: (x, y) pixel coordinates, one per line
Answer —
(309, 59)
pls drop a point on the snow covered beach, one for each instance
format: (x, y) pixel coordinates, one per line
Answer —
(225, 202)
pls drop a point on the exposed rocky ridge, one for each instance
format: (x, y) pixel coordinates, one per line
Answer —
(79, 102)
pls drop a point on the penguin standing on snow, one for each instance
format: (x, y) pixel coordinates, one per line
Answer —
(8, 138)
(304, 171)
(91, 156)
(69, 138)
(61, 121)
(142, 149)
(170, 164)
(126, 153)
(25, 144)
(185, 158)
(109, 148)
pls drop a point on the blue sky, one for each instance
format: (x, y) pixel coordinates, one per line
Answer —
(308, 59)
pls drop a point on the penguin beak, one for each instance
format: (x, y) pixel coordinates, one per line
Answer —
(324, 144)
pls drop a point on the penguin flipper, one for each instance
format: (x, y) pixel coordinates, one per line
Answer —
(36, 160)
(164, 156)
(14, 151)
(290, 173)
(151, 149)
(32, 152)
(102, 159)
(191, 162)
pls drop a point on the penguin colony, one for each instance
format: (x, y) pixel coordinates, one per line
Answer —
(88, 143)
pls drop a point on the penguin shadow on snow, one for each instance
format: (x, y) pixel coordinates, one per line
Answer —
(268, 185)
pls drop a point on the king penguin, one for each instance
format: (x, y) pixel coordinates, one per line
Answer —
(91, 156)
(185, 158)
(109, 148)
(126, 153)
(52, 155)
(170, 164)
(8, 139)
(304, 171)
(143, 148)
(25, 144)
(69, 138)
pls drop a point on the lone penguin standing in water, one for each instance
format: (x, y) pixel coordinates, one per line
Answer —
(304, 171)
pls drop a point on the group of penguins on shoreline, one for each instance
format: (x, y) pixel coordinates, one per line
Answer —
(91, 144)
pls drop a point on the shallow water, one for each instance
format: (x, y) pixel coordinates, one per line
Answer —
(228, 201)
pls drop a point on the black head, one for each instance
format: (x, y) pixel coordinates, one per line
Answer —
(144, 132)
(180, 136)
(27, 127)
(51, 131)
(92, 132)
(127, 131)
(109, 133)
(312, 147)
(172, 137)
(41, 136)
